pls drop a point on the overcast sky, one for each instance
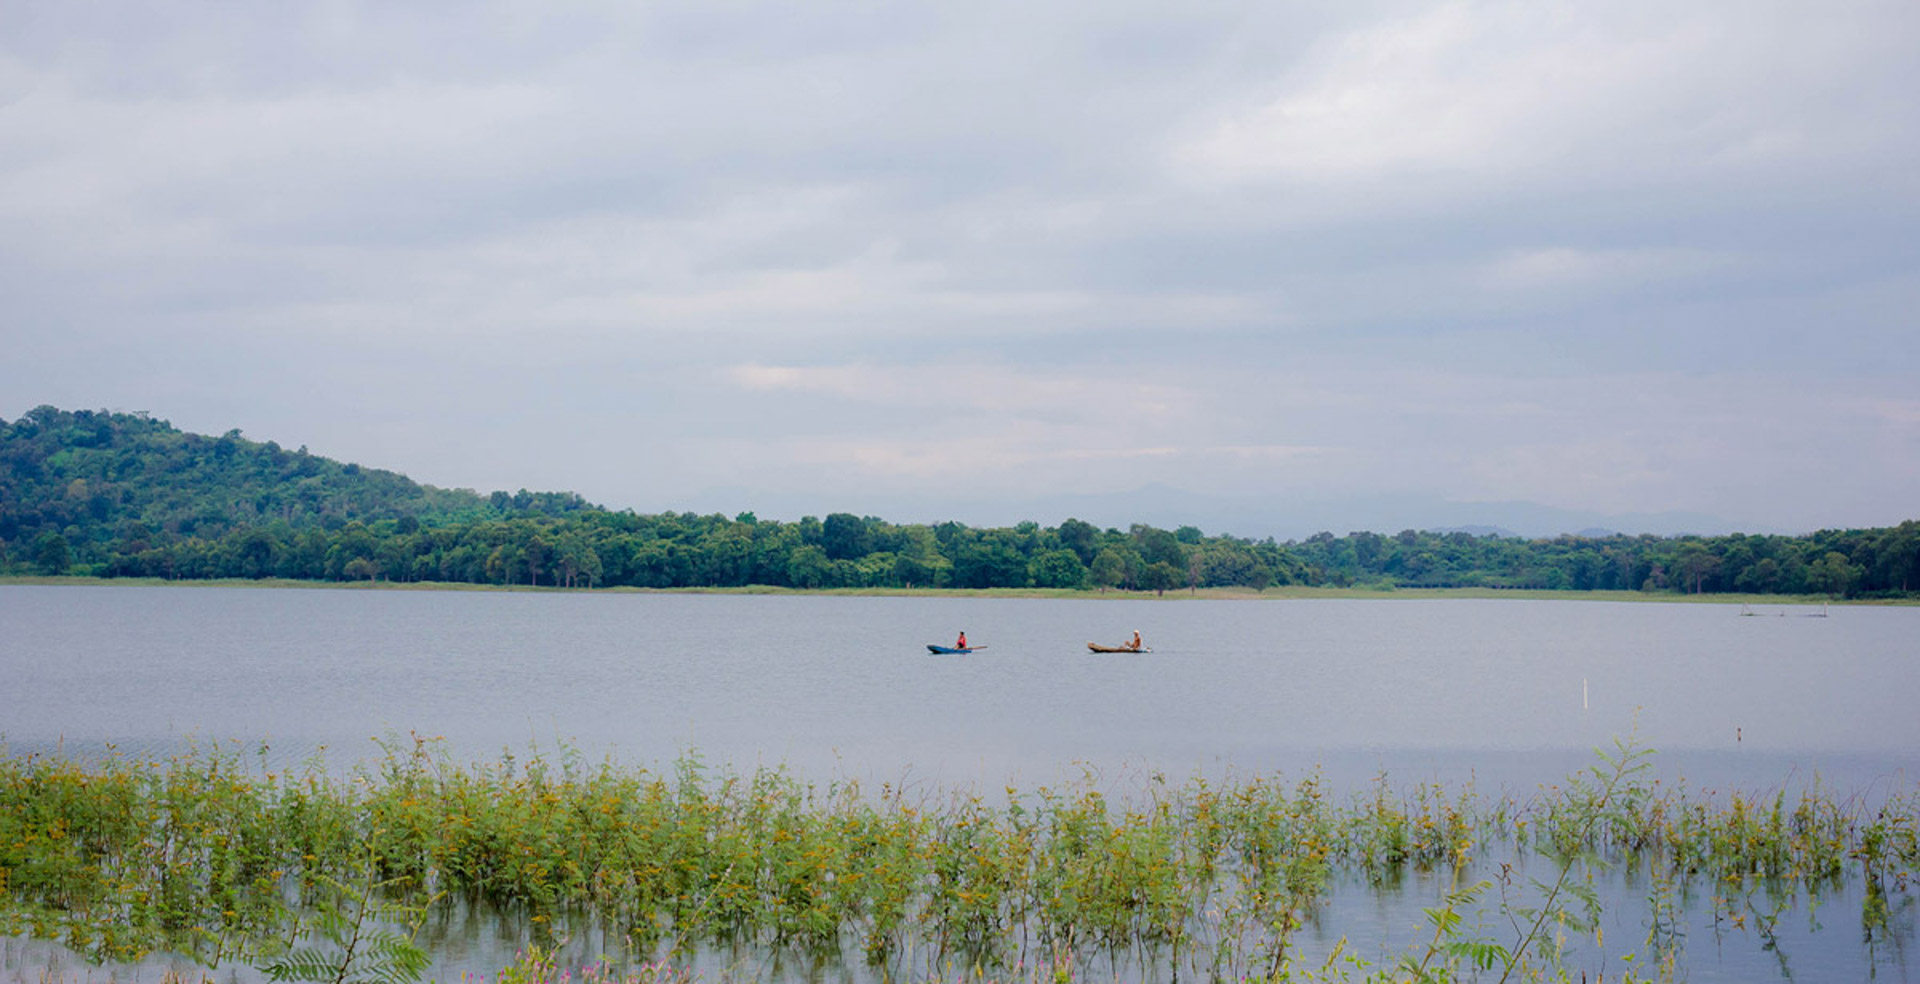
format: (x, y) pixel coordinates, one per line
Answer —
(973, 259)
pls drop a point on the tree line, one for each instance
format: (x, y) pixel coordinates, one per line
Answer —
(126, 495)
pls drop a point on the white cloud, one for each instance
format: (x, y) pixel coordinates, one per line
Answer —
(1379, 98)
(1624, 255)
(1000, 389)
(1486, 93)
(1007, 428)
(1555, 268)
(91, 156)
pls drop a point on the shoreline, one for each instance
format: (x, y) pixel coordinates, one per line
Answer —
(1284, 593)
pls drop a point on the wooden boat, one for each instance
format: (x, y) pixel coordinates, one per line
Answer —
(1098, 648)
(949, 650)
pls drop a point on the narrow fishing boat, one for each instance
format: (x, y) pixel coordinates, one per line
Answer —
(949, 650)
(1133, 645)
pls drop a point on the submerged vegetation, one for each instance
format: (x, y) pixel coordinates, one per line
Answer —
(124, 495)
(316, 877)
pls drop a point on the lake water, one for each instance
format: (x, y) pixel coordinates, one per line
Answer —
(1512, 692)
(1506, 694)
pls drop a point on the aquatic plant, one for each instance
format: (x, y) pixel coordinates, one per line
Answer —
(344, 937)
(315, 876)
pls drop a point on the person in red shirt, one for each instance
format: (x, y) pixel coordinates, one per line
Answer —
(962, 644)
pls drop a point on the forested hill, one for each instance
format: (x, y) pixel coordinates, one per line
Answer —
(127, 493)
(118, 495)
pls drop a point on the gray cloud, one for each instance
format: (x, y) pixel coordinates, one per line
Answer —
(1621, 258)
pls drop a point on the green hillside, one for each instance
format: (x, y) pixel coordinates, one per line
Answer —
(115, 487)
(125, 495)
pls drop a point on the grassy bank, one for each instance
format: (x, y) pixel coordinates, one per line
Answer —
(304, 875)
(1289, 593)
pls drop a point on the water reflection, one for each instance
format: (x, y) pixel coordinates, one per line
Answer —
(1503, 696)
(1753, 934)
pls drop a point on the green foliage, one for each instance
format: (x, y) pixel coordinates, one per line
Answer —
(124, 495)
(50, 553)
(1873, 563)
(1161, 577)
(316, 878)
(1058, 569)
(1115, 567)
(349, 939)
(1452, 950)
(1607, 797)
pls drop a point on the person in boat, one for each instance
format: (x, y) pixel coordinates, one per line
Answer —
(962, 642)
(1135, 644)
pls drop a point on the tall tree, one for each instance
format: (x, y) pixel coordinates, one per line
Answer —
(51, 553)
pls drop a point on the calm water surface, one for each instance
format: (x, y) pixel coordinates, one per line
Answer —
(1512, 692)
(1505, 694)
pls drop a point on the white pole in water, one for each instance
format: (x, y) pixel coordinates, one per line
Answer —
(1583, 693)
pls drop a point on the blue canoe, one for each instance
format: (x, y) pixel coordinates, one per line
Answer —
(949, 650)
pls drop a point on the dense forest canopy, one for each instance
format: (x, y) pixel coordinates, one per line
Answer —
(125, 495)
